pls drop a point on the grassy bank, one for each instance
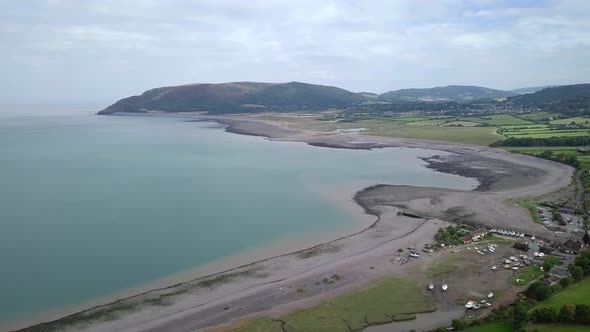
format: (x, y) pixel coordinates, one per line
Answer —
(527, 275)
(576, 294)
(530, 206)
(499, 326)
(392, 299)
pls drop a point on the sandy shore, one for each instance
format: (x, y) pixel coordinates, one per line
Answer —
(269, 286)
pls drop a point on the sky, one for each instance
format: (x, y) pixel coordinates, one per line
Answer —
(104, 50)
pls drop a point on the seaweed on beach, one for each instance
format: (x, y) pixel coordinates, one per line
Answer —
(159, 297)
(318, 250)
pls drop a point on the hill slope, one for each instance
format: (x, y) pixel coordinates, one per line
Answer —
(571, 100)
(238, 97)
(458, 93)
(531, 89)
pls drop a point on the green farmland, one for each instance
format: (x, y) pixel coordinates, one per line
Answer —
(481, 130)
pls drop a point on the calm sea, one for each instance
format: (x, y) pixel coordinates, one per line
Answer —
(94, 205)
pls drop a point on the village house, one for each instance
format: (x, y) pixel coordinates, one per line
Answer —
(478, 234)
(572, 246)
(475, 235)
(556, 274)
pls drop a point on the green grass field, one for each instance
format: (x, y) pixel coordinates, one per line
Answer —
(539, 149)
(503, 120)
(576, 120)
(393, 297)
(527, 275)
(560, 328)
(430, 122)
(469, 135)
(481, 130)
(536, 116)
(536, 133)
(491, 327)
(576, 294)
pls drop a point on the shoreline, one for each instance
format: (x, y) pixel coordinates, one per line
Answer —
(374, 200)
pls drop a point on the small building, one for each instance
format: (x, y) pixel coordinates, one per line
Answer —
(559, 272)
(522, 245)
(477, 234)
(572, 246)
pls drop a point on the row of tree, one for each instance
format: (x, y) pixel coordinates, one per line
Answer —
(568, 314)
(548, 141)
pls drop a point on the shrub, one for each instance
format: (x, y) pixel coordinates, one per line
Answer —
(566, 282)
(544, 315)
(459, 324)
(539, 291)
(577, 273)
(582, 314)
(567, 313)
(556, 288)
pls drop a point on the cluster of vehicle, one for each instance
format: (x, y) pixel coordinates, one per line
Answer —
(512, 262)
(491, 248)
(508, 233)
(475, 305)
(413, 253)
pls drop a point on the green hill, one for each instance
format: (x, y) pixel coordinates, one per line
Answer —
(567, 99)
(239, 97)
(458, 93)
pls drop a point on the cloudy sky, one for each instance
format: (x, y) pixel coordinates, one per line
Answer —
(101, 50)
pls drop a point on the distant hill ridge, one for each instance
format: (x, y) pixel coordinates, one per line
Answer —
(240, 97)
(458, 93)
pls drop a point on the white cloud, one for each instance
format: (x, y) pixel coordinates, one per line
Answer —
(106, 49)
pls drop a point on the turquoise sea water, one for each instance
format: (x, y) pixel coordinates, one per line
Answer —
(93, 205)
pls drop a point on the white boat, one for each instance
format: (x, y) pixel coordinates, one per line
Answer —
(536, 254)
(444, 287)
(490, 295)
(533, 238)
(414, 255)
(541, 254)
(479, 252)
(469, 304)
(430, 286)
(455, 251)
(493, 268)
